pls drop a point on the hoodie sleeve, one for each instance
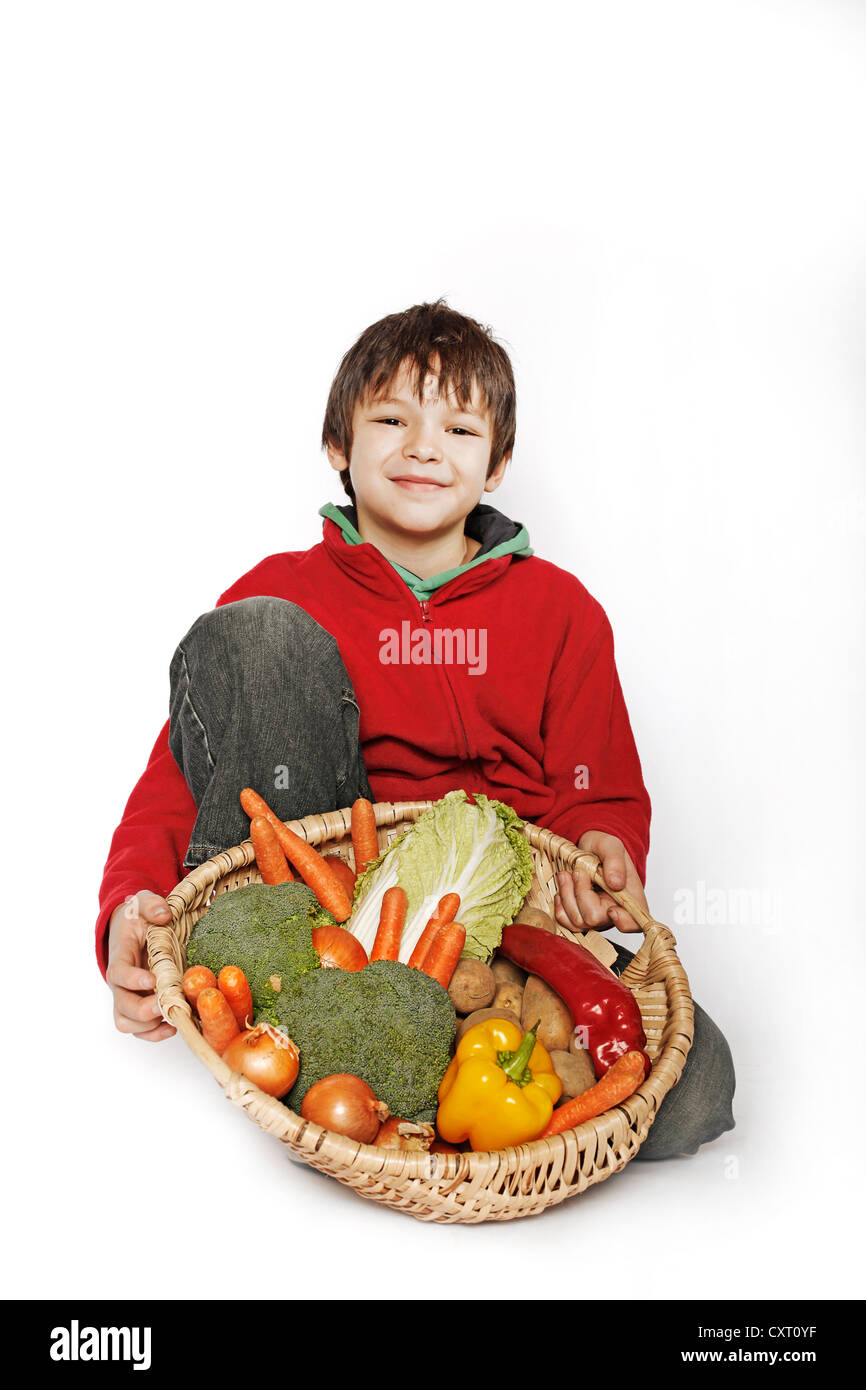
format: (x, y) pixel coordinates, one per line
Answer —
(591, 763)
(149, 846)
(150, 843)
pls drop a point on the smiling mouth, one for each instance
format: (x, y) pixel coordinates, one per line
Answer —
(413, 484)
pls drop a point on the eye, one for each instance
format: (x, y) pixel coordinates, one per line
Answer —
(453, 429)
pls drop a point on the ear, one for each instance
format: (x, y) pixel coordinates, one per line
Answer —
(498, 474)
(336, 458)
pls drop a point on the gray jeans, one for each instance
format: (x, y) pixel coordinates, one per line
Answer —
(260, 697)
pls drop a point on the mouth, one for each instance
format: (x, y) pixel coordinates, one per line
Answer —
(412, 483)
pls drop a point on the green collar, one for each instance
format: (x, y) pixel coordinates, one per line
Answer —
(422, 588)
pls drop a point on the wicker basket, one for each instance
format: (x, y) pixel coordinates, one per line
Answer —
(470, 1187)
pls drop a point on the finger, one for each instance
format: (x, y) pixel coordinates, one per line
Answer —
(162, 1030)
(135, 1013)
(635, 889)
(622, 921)
(606, 901)
(620, 874)
(128, 936)
(124, 940)
(128, 975)
(591, 908)
(613, 866)
(132, 1027)
(141, 1007)
(154, 909)
(147, 906)
(616, 915)
(573, 917)
(562, 916)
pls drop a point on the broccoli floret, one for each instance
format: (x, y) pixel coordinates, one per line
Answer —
(266, 929)
(388, 1023)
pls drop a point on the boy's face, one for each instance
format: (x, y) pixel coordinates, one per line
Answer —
(419, 467)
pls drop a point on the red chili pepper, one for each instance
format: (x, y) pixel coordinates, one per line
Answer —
(597, 1000)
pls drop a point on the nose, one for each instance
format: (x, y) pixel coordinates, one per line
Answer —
(420, 444)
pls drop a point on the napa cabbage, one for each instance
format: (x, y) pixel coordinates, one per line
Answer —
(477, 849)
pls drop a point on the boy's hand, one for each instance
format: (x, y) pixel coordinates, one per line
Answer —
(580, 906)
(135, 1008)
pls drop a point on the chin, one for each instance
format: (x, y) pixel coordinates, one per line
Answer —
(421, 526)
(415, 515)
(423, 505)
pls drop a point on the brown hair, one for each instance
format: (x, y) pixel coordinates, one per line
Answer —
(465, 352)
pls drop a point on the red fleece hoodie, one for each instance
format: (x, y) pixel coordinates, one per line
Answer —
(524, 697)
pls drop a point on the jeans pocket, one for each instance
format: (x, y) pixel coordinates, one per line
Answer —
(350, 754)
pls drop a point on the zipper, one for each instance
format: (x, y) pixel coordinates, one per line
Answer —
(427, 617)
(460, 717)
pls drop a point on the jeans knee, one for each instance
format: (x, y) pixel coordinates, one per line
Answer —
(699, 1109)
(261, 632)
(716, 1060)
(246, 617)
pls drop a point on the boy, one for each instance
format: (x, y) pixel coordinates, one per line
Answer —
(420, 647)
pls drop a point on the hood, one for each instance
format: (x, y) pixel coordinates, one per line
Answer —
(498, 535)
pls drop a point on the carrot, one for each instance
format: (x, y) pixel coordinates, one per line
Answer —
(317, 874)
(234, 985)
(255, 805)
(442, 956)
(218, 1023)
(345, 873)
(195, 979)
(272, 863)
(313, 868)
(619, 1082)
(446, 911)
(392, 915)
(364, 839)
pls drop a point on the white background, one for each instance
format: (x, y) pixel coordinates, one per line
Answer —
(660, 210)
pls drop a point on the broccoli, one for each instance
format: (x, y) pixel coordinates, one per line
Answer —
(266, 929)
(388, 1023)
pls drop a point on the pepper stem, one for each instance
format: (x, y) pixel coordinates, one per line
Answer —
(516, 1064)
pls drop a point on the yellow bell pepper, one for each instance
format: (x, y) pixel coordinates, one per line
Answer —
(500, 1087)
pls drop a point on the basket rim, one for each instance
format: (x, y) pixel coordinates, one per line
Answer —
(166, 954)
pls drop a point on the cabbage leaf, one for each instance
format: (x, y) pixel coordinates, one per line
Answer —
(477, 850)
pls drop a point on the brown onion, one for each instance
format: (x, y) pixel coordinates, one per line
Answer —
(347, 1105)
(403, 1134)
(338, 948)
(266, 1056)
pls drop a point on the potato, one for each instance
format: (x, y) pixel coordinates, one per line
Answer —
(534, 917)
(481, 1015)
(472, 986)
(509, 995)
(540, 1002)
(506, 970)
(575, 1071)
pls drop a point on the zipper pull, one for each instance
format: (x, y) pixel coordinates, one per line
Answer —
(425, 611)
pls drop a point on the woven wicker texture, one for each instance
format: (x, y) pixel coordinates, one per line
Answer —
(471, 1187)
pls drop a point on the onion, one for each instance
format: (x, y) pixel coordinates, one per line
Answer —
(403, 1134)
(266, 1056)
(347, 1105)
(440, 1147)
(338, 948)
